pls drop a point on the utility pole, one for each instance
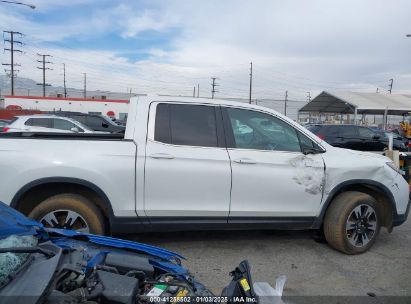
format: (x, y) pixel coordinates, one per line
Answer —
(198, 90)
(213, 85)
(308, 96)
(251, 80)
(64, 80)
(391, 83)
(194, 91)
(44, 68)
(285, 103)
(85, 86)
(12, 50)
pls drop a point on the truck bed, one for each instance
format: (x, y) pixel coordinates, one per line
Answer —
(61, 136)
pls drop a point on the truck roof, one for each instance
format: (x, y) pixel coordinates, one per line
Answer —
(202, 100)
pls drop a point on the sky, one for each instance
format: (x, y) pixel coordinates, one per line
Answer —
(170, 46)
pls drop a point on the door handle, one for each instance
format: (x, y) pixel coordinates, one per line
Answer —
(161, 156)
(246, 161)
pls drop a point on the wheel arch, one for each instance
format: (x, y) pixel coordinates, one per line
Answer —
(30, 195)
(378, 191)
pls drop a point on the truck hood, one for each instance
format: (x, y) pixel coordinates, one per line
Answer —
(14, 222)
(353, 153)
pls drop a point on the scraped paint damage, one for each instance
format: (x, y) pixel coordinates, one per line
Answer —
(309, 173)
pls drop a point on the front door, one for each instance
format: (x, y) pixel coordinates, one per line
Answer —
(187, 169)
(371, 140)
(271, 178)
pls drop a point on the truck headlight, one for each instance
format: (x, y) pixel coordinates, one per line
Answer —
(395, 168)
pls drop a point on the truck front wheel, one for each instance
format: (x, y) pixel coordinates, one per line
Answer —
(352, 222)
(69, 211)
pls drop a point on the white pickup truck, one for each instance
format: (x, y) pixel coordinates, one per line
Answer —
(191, 164)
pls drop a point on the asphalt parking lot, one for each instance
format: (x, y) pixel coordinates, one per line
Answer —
(312, 269)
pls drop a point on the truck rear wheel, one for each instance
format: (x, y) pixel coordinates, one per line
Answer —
(352, 222)
(69, 211)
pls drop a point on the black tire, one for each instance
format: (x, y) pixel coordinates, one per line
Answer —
(57, 212)
(346, 225)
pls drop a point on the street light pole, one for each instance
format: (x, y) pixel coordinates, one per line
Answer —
(19, 3)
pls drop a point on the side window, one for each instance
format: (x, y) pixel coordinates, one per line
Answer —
(190, 125)
(260, 131)
(80, 118)
(93, 122)
(365, 132)
(348, 132)
(333, 130)
(62, 124)
(305, 142)
(39, 122)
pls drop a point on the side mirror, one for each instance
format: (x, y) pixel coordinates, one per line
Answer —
(307, 151)
(104, 125)
(376, 137)
(75, 130)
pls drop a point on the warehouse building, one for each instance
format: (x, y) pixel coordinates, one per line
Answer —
(117, 108)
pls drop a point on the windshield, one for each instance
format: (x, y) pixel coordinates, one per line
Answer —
(11, 262)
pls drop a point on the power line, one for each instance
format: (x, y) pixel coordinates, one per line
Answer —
(213, 85)
(12, 50)
(44, 68)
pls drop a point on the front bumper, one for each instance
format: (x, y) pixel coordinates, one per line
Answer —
(399, 219)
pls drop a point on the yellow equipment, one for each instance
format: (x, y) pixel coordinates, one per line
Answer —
(406, 128)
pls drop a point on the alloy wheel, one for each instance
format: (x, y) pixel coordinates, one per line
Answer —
(65, 219)
(361, 225)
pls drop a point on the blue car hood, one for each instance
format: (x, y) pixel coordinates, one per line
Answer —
(14, 222)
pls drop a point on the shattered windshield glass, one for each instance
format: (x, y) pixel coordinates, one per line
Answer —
(11, 262)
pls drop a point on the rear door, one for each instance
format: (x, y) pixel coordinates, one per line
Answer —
(38, 124)
(272, 180)
(65, 125)
(187, 169)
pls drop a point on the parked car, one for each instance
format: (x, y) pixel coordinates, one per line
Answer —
(355, 137)
(39, 265)
(192, 164)
(94, 121)
(394, 133)
(3, 123)
(46, 123)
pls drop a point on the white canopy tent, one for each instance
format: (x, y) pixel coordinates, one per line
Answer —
(342, 102)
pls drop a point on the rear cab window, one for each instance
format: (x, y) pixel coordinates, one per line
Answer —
(188, 125)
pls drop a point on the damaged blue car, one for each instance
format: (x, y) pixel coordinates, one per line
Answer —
(43, 265)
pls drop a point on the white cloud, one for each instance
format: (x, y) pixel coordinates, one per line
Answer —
(297, 46)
